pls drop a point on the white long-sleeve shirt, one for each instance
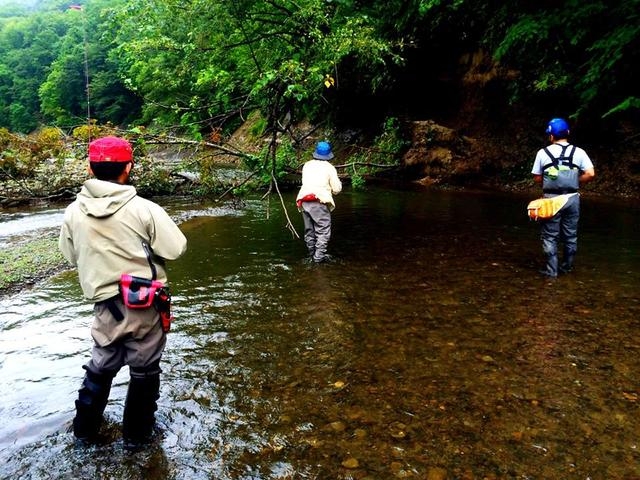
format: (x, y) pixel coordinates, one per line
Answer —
(320, 178)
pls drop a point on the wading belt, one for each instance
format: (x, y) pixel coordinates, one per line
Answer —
(110, 303)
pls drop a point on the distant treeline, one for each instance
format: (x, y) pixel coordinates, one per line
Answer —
(199, 66)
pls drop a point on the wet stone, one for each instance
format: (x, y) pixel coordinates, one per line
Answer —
(436, 473)
(351, 463)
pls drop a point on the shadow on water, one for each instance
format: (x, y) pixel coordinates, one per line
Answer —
(429, 349)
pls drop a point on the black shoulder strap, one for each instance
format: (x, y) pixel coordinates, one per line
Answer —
(570, 157)
(554, 160)
(148, 252)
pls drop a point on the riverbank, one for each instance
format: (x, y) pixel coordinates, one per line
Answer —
(23, 264)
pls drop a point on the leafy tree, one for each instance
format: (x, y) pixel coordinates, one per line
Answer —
(201, 65)
(83, 82)
(28, 46)
(584, 52)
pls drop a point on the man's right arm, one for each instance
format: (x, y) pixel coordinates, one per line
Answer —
(536, 171)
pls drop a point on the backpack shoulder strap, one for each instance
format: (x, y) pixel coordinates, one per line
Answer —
(554, 160)
(570, 157)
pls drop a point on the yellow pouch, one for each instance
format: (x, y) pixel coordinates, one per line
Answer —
(545, 208)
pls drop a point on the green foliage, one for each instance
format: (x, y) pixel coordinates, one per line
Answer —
(9, 154)
(47, 143)
(198, 64)
(629, 103)
(267, 166)
(258, 128)
(586, 51)
(43, 69)
(286, 159)
(27, 47)
(41, 164)
(389, 143)
(384, 152)
(197, 67)
(18, 157)
(357, 179)
(85, 133)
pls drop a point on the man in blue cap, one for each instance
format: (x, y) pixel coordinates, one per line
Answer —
(561, 168)
(315, 200)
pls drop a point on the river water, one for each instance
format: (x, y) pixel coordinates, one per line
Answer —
(430, 349)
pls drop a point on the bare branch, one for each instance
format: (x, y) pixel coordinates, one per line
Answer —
(290, 226)
(366, 164)
(236, 186)
(169, 140)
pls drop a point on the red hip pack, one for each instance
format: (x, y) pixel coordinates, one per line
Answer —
(311, 197)
(138, 292)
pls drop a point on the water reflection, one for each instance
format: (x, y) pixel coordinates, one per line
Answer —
(430, 349)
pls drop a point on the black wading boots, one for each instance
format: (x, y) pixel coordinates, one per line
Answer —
(567, 264)
(139, 408)
(90, 405)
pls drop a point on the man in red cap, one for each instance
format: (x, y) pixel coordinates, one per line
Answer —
(110, 233)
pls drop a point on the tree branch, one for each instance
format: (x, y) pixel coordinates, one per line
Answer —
(366, 164)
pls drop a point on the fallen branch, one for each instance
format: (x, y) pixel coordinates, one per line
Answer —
(181, 141)
(15, 201)
(284, 208)
(236, 186)
(366, 164)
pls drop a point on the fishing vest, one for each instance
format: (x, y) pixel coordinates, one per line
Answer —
(561, 175)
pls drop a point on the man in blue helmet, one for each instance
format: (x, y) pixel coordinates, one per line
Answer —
(561, 168)
(315, 200)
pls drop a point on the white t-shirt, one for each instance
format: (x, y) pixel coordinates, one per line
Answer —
(580, 158)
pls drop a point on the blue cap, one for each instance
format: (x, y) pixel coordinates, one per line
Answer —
(323, 151)
(558, 127)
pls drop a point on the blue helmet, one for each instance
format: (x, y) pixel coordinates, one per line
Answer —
(323, 151)
(558, 127)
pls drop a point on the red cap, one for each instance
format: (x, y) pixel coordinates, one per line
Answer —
(110, 149)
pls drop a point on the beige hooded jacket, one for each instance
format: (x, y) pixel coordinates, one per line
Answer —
(103, 232)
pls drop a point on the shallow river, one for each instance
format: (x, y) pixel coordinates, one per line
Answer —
(430, 349)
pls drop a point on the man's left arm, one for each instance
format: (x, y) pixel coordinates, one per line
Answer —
(167, 240)
(587, 171)
(587, 175)
(334, 181)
